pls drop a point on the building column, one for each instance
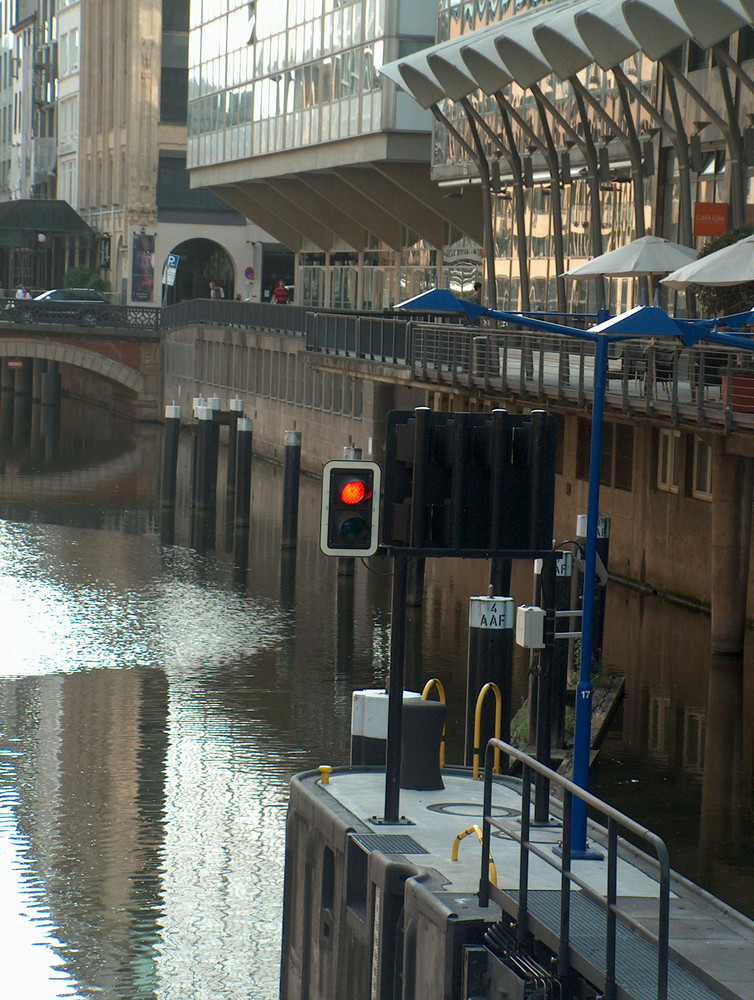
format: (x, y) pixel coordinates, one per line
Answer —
(731, 544)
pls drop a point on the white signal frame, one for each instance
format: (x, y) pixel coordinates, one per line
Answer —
(351, 465)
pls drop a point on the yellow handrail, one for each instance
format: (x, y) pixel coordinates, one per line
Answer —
(456, 843)
(436, 682)
(478, 724)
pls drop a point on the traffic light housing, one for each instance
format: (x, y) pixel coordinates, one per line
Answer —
(350, 508)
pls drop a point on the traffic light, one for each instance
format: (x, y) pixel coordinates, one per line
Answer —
(350, 508)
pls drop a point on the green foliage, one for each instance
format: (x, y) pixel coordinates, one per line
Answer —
(83, 277)
(721, 300)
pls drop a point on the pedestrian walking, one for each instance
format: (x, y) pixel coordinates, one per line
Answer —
(280, 295)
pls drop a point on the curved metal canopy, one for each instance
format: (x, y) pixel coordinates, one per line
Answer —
(564, 37)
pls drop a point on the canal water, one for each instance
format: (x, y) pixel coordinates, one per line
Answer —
(161, 680)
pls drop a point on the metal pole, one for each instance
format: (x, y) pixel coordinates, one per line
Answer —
(244, 437)
(291, 472)
(395, 696)
(346, 564)
(235, 411)
(170, 454)
(583, 734)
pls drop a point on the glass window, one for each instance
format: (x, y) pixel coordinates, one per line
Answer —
(669, 461)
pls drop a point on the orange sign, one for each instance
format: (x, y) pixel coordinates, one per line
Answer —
(711, 218)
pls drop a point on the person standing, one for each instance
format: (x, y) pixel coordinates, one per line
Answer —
(20, 292)
(280, 295)
(216, 291)
(476, 295)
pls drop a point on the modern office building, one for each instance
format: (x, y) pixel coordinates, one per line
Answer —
(93, 151)
(529, 134)
(291, 122)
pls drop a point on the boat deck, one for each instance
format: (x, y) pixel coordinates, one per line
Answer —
(711, 945)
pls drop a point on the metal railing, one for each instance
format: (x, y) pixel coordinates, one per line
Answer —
(385, 339)
(644, 375)
(87, 315)
(287, 319)
(609, 902)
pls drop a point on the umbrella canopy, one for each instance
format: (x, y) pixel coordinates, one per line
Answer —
(643, 257)
(442, 300)
(733, 265)
(650, 321)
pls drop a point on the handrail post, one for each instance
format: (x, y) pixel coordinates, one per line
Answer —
(523, 872)
(612, 898)
(564, 964)
(484, 880)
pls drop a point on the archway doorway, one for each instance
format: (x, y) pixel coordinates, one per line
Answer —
(201, 261)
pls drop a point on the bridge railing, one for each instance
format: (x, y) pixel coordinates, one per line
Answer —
(89, 315)
(287, 319)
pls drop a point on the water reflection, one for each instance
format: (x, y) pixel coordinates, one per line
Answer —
(155, 698)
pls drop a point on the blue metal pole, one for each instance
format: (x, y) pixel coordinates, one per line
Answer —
(583, 734)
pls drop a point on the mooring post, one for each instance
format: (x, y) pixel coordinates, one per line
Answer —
(244, 440)
(544, 698)
(51, 385)
(346, 564)
(600, 583)
(171, 437)
(235, 411)
(291, 474)
(206, 458)
(490, 660)
(563, 578)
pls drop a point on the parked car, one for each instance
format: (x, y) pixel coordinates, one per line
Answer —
(75, 305)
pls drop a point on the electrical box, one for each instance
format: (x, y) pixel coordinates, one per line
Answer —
(530, 627)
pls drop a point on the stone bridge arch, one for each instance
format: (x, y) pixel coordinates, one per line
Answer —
(79, 357)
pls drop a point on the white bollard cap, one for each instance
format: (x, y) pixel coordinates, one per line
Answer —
(172, 412)
(205, 413)
(245, 424)
(235, 405)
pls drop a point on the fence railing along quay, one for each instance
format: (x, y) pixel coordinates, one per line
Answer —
(710, 385)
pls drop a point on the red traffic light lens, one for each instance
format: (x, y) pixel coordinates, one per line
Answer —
(354, 491)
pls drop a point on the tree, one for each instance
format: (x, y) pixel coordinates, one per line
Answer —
(721, 300)
(84, 277)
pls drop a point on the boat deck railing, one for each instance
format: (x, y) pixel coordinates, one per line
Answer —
(562, 860)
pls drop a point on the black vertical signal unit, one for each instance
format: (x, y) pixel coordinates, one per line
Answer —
(350, 508)
(464, 482)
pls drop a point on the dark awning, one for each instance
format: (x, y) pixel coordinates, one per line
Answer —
(21, 220)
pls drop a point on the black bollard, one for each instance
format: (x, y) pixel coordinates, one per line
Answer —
(415, 585)
(7, 377)
(544, 694)
(291, 473)
(206, 458)
(24, 378)
(600, 589)
(244, 436)
(563, 580)
(346, 563)
(51, 385)
(490, 660)
(39, 367)
(235, 412)
(170, 441)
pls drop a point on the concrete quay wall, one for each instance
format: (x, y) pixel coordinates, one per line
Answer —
(687, 536)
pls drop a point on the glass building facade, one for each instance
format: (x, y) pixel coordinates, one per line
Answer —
(269, 76)
(268, 79)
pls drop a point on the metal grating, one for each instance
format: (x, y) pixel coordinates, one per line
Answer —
(389, 843)
(636, 959)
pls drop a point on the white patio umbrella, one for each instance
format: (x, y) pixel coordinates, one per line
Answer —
(732, 265)
(640, 258)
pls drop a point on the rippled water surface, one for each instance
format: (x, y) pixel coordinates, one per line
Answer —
(160, 682)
